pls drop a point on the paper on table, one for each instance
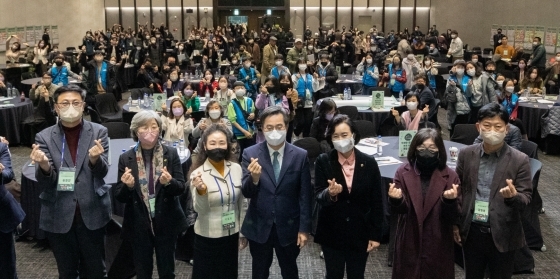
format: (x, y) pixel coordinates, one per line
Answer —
(7, 105)
(384, 161)
(545, 101)
(372, 142)
(5, 98)
(367, 149)
(134, 109)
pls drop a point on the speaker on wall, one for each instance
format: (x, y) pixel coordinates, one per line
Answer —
(189, 11)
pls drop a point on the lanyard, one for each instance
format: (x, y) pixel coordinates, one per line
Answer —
(220, 189)
(63, 147)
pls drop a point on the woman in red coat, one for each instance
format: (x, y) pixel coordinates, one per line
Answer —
(425, 195)
(208, 82)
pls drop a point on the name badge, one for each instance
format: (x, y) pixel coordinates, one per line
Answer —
(228, 220)
(231, 73)
(66, 179)
(480, 211)
(152, 203)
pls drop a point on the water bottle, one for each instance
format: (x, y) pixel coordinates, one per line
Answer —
(146, 102)
(379, 147)
(349, 93)
(345, 93)
(175, 145)
(400, 96)
(15, 92)
(129, 101)
(9, 92)
(217, 74)
(207, 95)
(181, 148)
(124, 150)
(138, 101)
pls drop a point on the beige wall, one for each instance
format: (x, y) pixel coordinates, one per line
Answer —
(473, 19)
(73, 17)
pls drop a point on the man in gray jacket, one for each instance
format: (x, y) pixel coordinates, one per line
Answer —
(538, 57)
(71, 162)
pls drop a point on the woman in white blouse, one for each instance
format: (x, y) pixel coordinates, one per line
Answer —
(216, 192)
(41, 52)
(176, 124)
(223, 94)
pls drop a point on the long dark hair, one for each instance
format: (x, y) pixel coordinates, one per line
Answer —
(201, 158)
(419, 138)
(276, 87)
(326, 106)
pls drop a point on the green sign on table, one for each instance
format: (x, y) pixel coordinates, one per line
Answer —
(377, 99)
(159, 99)
(405, 138)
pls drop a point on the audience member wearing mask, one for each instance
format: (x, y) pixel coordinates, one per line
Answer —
(475, 59)
(241, 114)
(412, 68)
(519, 73)
(433, 51)
(287, 87)
(504, 50)
(326, 73)
(455, 47)
(212, 54)
(413, 118)
(255, 51)
(61, 70)
(39, 90)
(223, 94)
(269, 60)
(305, 84)
(173, 84)
(213, 115)
(458, 107)
(279, 67)
(430, 71)
(40, 57)
(326, 112)
(176, 123)
(99, 79)
(189, 97)
(396, 76)
(532, 82)
(270, 95)
(298, 52)
(183, 58)
(116, 70)
(480, 90)
(207, 84)
(538, 57)
(370, 74)
(249, 76)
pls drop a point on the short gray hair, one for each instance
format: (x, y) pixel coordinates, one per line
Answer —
(140, 119)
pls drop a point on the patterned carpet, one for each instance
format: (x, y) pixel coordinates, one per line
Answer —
(34, 262)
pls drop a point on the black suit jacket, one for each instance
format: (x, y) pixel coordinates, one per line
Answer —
(505, 214)
(169, 217)
(11, 213)
(355, 217)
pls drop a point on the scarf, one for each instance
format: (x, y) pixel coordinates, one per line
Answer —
(143, 178)
(412, 124)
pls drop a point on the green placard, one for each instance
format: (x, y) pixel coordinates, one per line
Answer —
(377, 99)
(405, 138)
(159, 99)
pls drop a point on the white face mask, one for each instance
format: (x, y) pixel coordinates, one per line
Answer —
(344, 145)
(471, 72)
(410, 56)
(234, 61)
(475, 60)
(223, 85)
(247, 65)
(369, 60)
(427, 62)
(240, 92)
(70, 114)
(214, 114)
(275, 137)
(500, 82)
(310, 47)
(492, 137)
(453, 36)
(510, 89)
(411, 105)
(302, 67)
(460, 71)
(279, 63)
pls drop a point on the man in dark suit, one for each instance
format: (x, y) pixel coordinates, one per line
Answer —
(490, 228)
(71, 162)
(11, 215)
(276, 178)
(498, 38)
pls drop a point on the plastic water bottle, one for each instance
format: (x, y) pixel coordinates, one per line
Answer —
(15, 92)
(138, 101)
(400, 96)
(146, 102)
(207, 95)
(379, 147)
(345, 93)
(181, 148)
(217, 74)
(349, 93)
(9, 92)
(129, 101)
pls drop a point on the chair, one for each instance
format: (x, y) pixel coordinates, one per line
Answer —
(117, 130)
(94, 115)
(386, 91)
(108, 108)
(487, 50)
(388, 127)
(28, 75)
(434, 118)
(350, 70)
(465, 134)
(70, 49)
(476, 49)
(197, 115)
(365, 128)
(530, 215)
(350, 111)
(529, 148)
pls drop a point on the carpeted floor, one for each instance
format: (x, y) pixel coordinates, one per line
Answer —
(34, 262)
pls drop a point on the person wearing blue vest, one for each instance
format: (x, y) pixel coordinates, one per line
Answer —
(250, 77)
(431, 71)
(397, 76)
(61, 70)
(305, 84)
(370, 73)
(279, 69)
(241, 114)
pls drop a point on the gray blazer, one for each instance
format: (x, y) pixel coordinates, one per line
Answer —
(91, 192)
(505, 214)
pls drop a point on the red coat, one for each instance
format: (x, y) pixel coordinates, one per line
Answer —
(424, 239)
(202, 88)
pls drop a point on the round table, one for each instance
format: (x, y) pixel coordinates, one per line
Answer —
(11, 117)
(530, 114)
(30, 189)
(365, 112)
(354, 82)
(14, 65)
(31, 81)
(443, 67)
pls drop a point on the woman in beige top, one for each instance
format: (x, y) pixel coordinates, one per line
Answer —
(40, 51)
(14, 52)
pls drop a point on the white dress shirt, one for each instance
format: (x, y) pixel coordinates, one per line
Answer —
(280, 155)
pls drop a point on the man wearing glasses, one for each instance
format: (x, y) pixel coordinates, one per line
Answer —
(71, 161)
(277, 181)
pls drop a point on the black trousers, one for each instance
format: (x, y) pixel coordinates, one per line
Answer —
(303, 120)
(459, 119)
(79, 250)
(290, 132)
(336, 260)
(480, 253)
(215, 258)
(244, 143)
(7, 256)
(143, 246)
(262, 257)
(473, 115)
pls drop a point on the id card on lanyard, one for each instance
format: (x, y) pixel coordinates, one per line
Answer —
(66, 175)
(228, 217)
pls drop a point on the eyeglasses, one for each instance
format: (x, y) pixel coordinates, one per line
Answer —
(432, 149)
(278, 127)
(75, 104)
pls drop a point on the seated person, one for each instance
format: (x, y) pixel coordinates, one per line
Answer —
(413, 119)
(327, 110)
(532, 82)
(513, 137)
(475, 59)
(434, 52)
(189, 97)
(4, 85)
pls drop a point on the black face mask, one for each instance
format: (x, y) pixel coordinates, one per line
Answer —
(324, 63)
(427, 161)
(271, 89)
(58, 63)
(284, 87)
(420, 86)
(171, 65)
(216, 154)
